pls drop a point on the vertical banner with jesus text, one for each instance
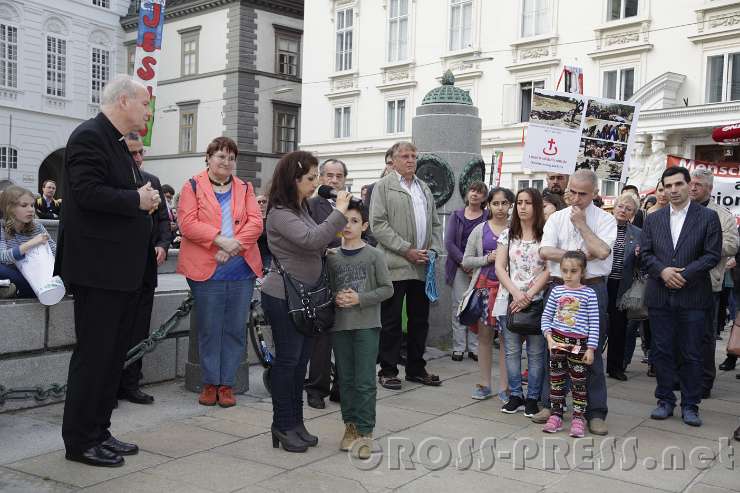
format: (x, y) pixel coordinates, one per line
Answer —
(148, 54)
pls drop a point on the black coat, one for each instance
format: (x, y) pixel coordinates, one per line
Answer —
(320, 209)
(697, 250)
(104, 238)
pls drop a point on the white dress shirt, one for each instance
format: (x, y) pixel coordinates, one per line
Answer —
(420, 208)
(678, 217)
(560, 233)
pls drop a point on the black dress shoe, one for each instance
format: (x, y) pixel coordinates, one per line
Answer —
(334, 395)
(728, 364)
(737, 434)
(316, 402)
(618, 375)
(290, 440)
(303, 434)
(119, 447)
(136, 396)
(97, 456)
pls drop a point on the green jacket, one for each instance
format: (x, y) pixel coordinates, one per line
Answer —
(394, 227)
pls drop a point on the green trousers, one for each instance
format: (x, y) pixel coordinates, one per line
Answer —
(356, 353)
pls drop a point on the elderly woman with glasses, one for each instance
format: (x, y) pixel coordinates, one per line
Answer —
(626, 262)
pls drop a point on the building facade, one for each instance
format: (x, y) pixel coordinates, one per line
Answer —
(228, 68)
(372, 62)
(55, 58)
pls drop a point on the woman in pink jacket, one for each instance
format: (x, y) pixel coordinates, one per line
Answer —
(220, 222)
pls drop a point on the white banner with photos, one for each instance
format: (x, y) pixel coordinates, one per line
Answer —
(568, 132)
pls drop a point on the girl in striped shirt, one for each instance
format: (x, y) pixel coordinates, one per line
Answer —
(570, 323)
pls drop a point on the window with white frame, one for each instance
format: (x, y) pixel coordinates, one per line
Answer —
(100, 66)
(8, 157)
(345, 25)
(461, 24)
(723, 78)
(8, 56)
(621, 9)
(619, 84)
(609, 188)
(56, 66)
(285, 127)
(188, 127)
(535, 17)
(287, 51)
(395, 116)
(101, 3)
(189, 50)
(526, 93)
(398, 27)
(342, 122)
(537, 183)
(130, 58)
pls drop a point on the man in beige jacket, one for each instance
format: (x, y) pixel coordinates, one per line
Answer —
(700, 191)
(404, 221)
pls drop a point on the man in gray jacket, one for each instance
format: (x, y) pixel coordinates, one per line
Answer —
(404, 221)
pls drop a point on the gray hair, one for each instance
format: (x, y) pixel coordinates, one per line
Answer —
(704, 175)
(585, 175)
(630, 197)
(133, 136)
(118, 86)
(322, 166)
(401, 145)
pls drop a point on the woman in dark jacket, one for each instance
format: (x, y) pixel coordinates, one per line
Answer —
(297, 244)
(459, 226)
(625, 250)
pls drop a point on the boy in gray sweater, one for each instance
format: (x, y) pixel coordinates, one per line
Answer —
(361, 281)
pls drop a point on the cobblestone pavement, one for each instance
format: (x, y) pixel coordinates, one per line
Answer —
(427, 439)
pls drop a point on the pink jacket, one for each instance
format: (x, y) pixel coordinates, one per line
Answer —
(199, 218)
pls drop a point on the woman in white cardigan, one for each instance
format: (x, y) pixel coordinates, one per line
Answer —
(480, 254)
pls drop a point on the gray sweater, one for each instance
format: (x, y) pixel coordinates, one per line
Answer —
(298, 243)
(364, 272)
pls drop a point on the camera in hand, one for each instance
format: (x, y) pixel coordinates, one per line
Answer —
(329, 193)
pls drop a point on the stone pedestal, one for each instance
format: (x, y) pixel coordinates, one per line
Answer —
(193, 377)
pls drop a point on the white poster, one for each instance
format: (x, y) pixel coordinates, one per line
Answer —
(568, 132)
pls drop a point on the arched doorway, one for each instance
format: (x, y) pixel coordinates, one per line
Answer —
(51, 169)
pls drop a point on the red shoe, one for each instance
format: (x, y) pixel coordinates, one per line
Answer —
(208, 395)
(226, 396)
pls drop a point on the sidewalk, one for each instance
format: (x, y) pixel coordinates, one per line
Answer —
(191, 448)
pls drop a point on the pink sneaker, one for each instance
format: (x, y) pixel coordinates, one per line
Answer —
(578, 428)
(554, 424)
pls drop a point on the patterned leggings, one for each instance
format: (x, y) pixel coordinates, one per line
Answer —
(562, 363)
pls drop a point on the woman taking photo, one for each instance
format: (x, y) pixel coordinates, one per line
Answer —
(480, 254)
(625, 250)
(524, 274)
(220, 223)
(459, 226)
(298, 244)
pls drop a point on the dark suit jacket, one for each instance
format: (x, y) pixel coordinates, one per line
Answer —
(320, 209)
(161, 233)
(44, 211)
(697, 251)
(104, 238)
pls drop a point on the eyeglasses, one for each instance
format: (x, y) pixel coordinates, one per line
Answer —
(134, 153)
(261, 201)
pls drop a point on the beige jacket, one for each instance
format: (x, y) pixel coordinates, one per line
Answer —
(394, 226)
(730, 241)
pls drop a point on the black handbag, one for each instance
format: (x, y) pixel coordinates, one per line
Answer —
(311, 308)
(526, 322)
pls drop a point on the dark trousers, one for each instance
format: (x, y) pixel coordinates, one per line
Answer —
(391, 335)
(104, 320)
(709, 345)
(11, 272)
(617, 330)
(292, 351)
(131, 375)
(679, 329)
(319, 370)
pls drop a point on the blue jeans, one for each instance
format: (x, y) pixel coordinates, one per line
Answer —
(221, 311)
(677, 328)
(293, 350)
(23, 289)
(535, 362)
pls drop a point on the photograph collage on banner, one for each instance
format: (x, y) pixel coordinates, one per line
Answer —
(568, 132)
(605, 138)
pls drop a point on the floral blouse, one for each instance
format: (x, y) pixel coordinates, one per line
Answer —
(524, 261)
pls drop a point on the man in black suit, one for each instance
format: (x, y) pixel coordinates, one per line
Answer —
(103, 253)
(47, 207)
(333, 173)
(680, 245)
(161, 238)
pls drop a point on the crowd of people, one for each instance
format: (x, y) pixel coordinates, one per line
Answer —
(351, 278)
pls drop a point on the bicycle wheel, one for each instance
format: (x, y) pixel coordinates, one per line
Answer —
(260, 334)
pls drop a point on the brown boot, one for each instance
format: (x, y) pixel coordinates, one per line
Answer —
(350, 435)
(226, 396)
(364, 448)
(208, 395)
